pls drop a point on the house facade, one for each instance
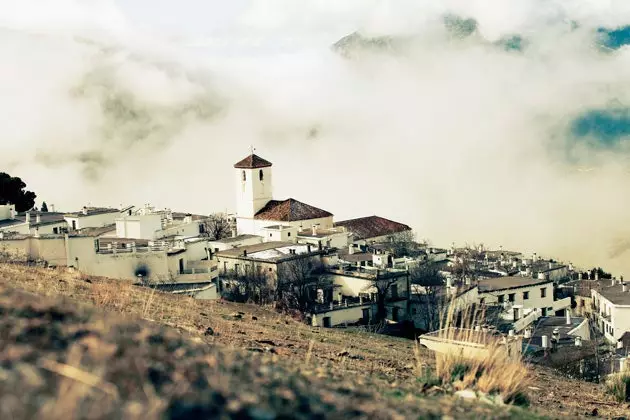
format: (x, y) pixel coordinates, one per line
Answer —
(611, 309)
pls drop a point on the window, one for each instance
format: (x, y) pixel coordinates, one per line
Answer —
(511, 297)
(501, 298)
(288, 233)
(244, 175)
(261, 176)
(525, 295)
(543, 292)
(394, 292)
(270, 269)
(55, 230)
(74, 225)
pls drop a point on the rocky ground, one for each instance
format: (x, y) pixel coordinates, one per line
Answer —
(131, 353)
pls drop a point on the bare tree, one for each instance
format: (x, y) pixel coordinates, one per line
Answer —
(215, 227)
(249, 285)
(298, 281)
(468, 263)
(402, 243)
(433, 298)
(383, 284)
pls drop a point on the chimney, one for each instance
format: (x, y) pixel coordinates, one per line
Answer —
(85, 211)
(52, 208)
(314, 230)
(351, 249)
(612, 281)
(597, 276)
(244, 253)
(568, 316)
(233, 232)
(528, 333)
(624, 288)
(28, 217)
(12, 212)
(578, 341)
(38, 218)
(545, 342)
(550, 265)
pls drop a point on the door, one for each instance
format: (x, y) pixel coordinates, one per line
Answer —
(327, 323)
(181, 265)
(366, 315)
(395, 314)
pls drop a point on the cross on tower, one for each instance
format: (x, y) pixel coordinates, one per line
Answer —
(252, 148)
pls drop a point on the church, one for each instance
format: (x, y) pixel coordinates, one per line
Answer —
(257, 213)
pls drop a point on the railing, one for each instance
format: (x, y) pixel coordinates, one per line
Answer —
(347, 303)
(524, 322)
(198, 270)
(561, 304)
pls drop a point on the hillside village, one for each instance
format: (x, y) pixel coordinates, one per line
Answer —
(329, 273)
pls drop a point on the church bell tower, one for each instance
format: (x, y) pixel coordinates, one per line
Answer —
(253, 185)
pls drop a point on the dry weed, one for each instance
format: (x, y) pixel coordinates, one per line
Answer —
(487, 365)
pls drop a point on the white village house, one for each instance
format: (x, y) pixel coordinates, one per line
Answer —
(611, 308)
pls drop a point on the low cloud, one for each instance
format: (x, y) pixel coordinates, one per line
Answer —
(506, 126)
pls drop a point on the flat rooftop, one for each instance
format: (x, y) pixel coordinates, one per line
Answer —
(511, 282)
(235, 239)
(615, 294)
(270, 251)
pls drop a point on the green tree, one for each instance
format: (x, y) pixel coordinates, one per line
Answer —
(12, 191)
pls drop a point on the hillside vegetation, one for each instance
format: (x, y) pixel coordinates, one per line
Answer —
(72, 345)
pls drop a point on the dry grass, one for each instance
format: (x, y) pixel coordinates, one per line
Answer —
(389, 356)
(488, 367)
(618, 385)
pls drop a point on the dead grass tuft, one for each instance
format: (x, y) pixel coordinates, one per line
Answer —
(486, 365)
(618, 385)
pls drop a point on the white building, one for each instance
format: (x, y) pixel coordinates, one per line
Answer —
(141, 226)
(612, 309)
(256, 208)
(337, 237)
(94, 217)
(31, 222)
(522, 294)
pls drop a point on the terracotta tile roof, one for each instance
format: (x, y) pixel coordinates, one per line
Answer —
(251, 162)
(372, 227)
(290, 210)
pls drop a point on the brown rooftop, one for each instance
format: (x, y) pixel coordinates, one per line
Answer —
(502, 283)
(290, 210)
(372, 227)
(252, 162)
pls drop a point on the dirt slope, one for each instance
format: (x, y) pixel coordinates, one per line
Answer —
(60, 358)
